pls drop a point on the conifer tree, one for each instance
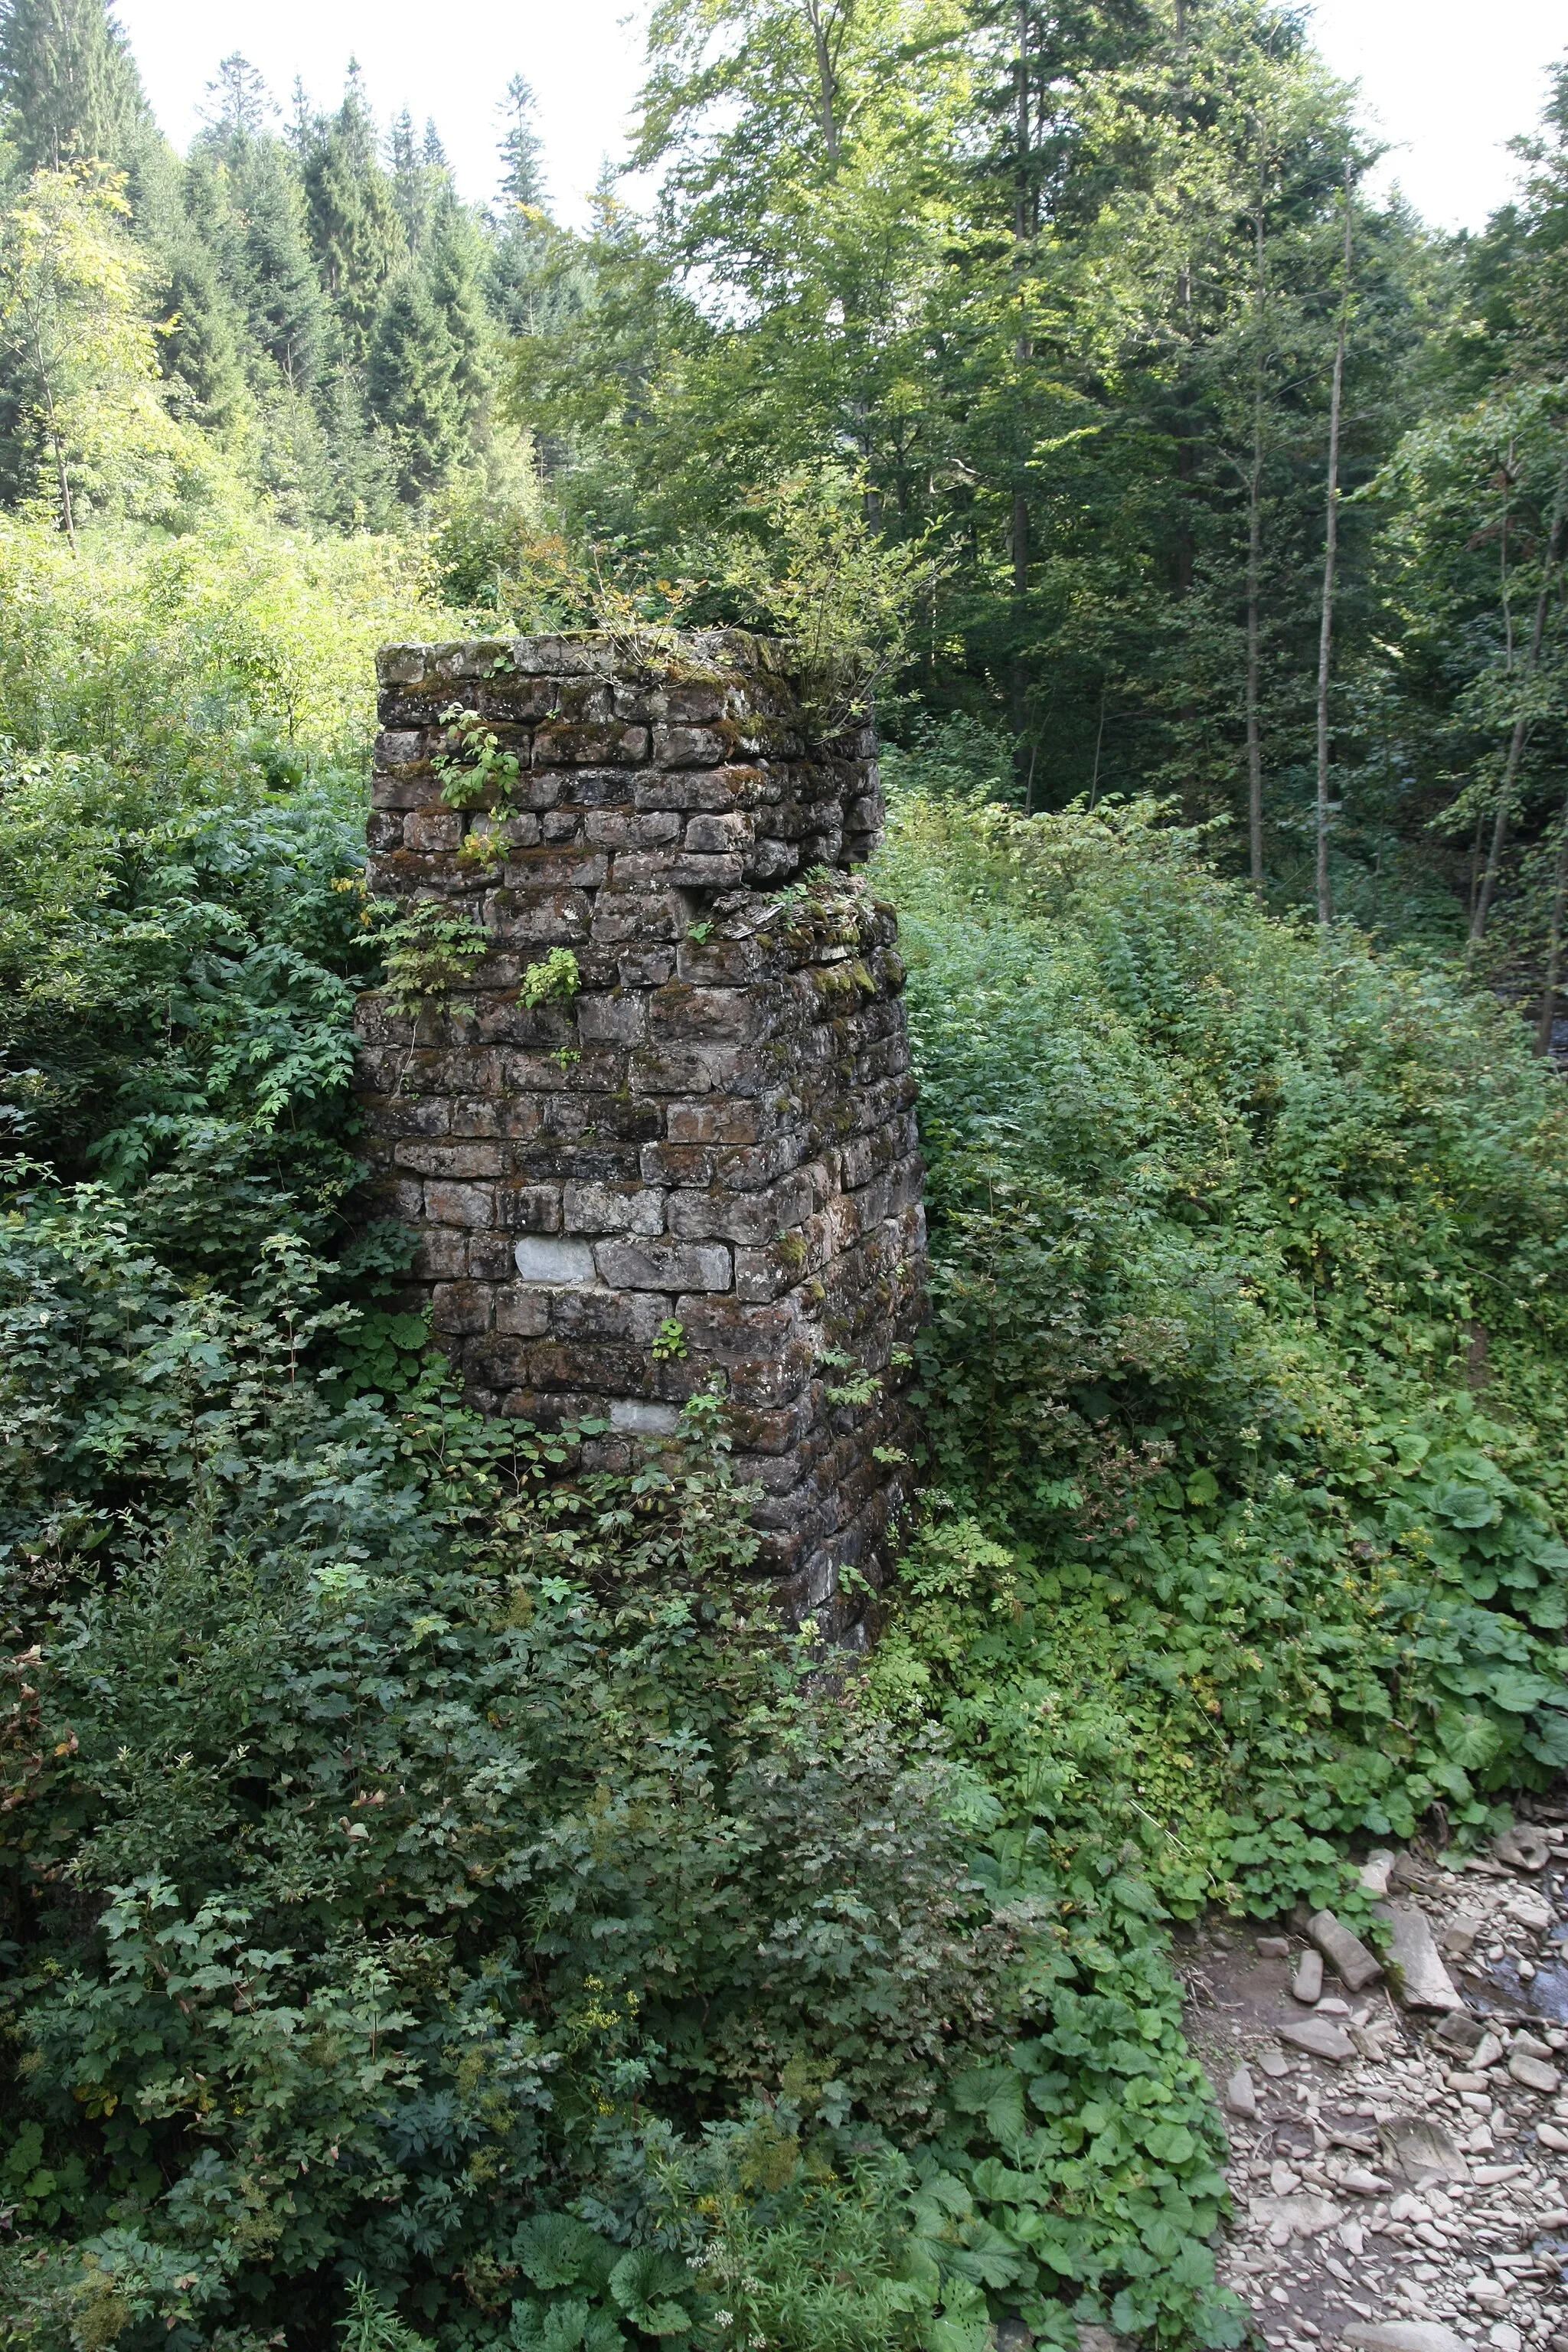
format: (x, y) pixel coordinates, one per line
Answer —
(355, 232)
(456, 278)
(515, 279)
(196, 283)
(412, 380)
(275, 282)
(412, 180)
(200, 349)
(238, 103)
(68, 86)
(522, 176)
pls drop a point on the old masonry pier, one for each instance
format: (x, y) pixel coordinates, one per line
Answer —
(654, 1120)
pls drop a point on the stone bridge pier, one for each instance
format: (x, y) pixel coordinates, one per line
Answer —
(683, 1144)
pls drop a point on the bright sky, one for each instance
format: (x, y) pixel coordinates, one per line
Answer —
(1445, 87)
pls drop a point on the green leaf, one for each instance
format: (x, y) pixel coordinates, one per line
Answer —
(1467, 1505)
(1516, 1692)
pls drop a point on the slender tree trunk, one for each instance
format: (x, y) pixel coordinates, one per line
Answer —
(827, 81)
(1331, 555)
(55, 442)
(1021, 134)
(1254, 662)
(1505, 579)
(1017, 668)
(1520, 734)
(1255, 568)
(1548, 1020)
(1475, 863)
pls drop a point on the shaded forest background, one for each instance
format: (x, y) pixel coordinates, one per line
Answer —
(1042, 303)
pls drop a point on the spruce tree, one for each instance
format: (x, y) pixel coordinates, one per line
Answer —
(515, 279)
(355, 232)
(68, 86)
(239, 103)
(201, 349)
(456, 269)
(275, 280)
(522, 176)
(419, 175)
(413, 382)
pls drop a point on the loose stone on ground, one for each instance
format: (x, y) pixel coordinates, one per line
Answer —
(1399, 2154)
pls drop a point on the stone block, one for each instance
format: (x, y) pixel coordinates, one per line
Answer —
(459, 1204)
(433, 829)
(462, 1306)
(562, 657)
(757, 1219)
(442, 1254)
(488, 1257)
(597, 1313)
(557, 746)
(522, 1313)
(725, 963)
(680, 1013)
(590, 1208)
(687, 746)
(624, 829)
(643, 1419)
(541, 1259)
(664, 1265)
(715, 789)
(717, 835)
(529, 1208)
(718, 1119)
(620, 1019)
(442, 1158)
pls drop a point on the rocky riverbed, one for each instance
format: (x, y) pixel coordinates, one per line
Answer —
(1399, 2132)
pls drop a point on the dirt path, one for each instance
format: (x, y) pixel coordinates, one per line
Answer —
(1406, 2191)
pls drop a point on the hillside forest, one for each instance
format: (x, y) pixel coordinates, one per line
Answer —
(439, 1909)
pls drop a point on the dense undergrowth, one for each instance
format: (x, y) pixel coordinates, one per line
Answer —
(1246, 1379)
(438, 1904)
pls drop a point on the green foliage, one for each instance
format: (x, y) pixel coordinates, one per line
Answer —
(555, 981)
(355, 232)
(593, 1853)
(429, 951)
(440, 1904)
(87, 430)
(1245, 1349)
(439, 1908)
(478, 772)
(68, 86)
(843, 600)
(410, 375)
(184, 927)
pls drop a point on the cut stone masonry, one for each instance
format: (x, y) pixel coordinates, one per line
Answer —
(717, 1130)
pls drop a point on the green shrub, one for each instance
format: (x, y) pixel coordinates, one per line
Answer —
(1249, 1338)
(403, 1825)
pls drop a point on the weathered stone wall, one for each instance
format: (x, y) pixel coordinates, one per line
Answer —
(718, 1130)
